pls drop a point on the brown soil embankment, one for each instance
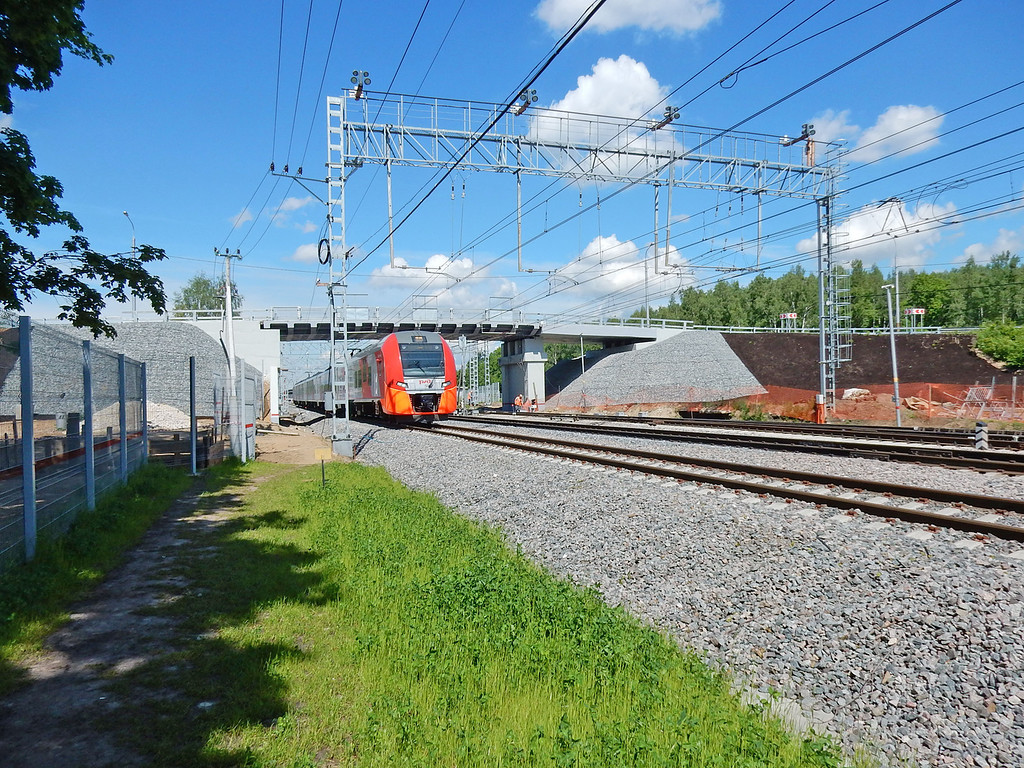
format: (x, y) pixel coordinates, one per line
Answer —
(938, 369)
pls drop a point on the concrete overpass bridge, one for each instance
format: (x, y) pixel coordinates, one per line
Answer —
(258, 334)
(521, 334)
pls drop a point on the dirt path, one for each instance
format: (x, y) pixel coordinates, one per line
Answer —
(56, 720)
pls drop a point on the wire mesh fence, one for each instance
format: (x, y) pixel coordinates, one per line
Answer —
(78, 418)
(74, 427)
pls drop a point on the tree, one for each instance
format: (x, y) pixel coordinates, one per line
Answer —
(34, 34)
(203, 292)
(1004, 342)
(556, 353)
(868, 307)
(930, 292)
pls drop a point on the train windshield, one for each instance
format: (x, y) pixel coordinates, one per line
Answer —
(422, 361)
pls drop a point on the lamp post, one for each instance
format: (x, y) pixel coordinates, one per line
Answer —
(892, 349)
(647, 300)
(134, 316)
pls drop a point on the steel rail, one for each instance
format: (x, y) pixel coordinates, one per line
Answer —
(1003, 439)
(605, 455)
(958, 458)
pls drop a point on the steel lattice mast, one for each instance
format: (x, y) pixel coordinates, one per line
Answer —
(415, 131)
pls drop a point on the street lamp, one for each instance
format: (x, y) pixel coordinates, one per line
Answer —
(892, 349)
(134, 316)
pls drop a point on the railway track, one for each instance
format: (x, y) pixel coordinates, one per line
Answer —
(971, 513)
(909, 449)
(964, 438)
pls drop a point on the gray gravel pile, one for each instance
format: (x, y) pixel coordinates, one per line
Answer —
(165, 347)
(690, 367)
(897, 641)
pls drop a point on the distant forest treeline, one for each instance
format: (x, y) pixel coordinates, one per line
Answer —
(968, 296)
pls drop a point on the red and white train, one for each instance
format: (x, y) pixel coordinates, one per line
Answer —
(406, 376)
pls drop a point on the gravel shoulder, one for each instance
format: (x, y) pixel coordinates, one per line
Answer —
(901, 642)
(897, 641)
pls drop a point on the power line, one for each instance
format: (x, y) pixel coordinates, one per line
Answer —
(736, 125)
(277, 84)
(323, 81)
(298, 87)
(576, 29)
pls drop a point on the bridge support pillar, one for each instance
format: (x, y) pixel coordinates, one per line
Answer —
(522, 370)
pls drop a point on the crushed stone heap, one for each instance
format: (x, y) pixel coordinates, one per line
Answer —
(690, 367)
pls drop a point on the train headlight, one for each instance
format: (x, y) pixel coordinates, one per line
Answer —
(447, 384)
(401, 384)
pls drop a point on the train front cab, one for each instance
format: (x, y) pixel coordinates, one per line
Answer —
(418, 376)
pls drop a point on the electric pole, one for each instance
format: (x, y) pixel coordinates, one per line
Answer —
(237, 420)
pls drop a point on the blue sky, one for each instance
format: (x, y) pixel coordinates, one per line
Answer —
(181, 130)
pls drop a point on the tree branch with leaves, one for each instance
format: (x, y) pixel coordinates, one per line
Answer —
(34, 34)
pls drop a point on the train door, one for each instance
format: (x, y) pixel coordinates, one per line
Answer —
(379, 380)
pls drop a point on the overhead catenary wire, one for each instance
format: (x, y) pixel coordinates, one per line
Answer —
(706, 67)
(780, 100)
(575, 30)
(298, 87)
(277, 83)
(323, 81)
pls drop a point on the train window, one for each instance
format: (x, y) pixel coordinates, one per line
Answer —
(422, 360)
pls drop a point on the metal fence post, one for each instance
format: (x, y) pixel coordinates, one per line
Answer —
(122, 397)
(192, 425)
(145, 418)
(28, 436)
(90, 447)
(243, 417)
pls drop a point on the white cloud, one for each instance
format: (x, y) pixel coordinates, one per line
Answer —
(308, 227)
(6, 121)
(879, 234)
(445, 265)
(438, 264)
(448, 283)
(902, 128)
(622, 87)
(240, 219)
(1007, 240)
(295, 203)
(678, 16)
(834, 126)
(899, 128)
(306, 254)
(609, 265)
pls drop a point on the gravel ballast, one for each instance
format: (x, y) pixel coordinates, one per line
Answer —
(897, 641)
(690, 367)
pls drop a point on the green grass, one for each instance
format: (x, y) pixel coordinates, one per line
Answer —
(363, 624)
(34, 597)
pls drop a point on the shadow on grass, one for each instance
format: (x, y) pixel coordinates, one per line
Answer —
(218, 676)
(35, 597)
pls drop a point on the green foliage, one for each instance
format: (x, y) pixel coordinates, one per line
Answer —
(1003, 342)
(490, 361)
(360, 622)
(204, 292)
(33, 38)
(556, 353)
(964, 297)
(745, 411)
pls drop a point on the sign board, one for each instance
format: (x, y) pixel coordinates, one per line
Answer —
(913, 311)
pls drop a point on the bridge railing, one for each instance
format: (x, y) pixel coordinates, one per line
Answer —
(316, 315)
